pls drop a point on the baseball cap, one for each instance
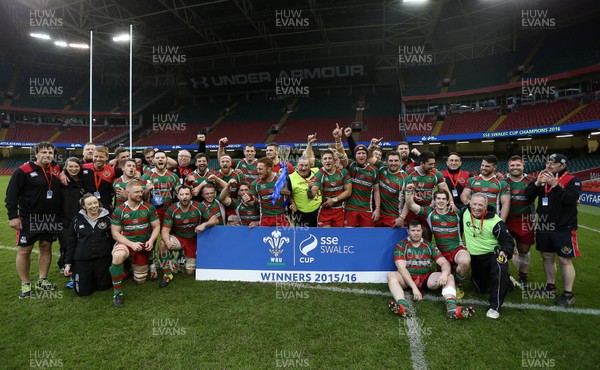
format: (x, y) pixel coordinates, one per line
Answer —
(558, 158)
(360, 147)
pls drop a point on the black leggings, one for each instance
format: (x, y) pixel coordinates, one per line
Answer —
(92, 275)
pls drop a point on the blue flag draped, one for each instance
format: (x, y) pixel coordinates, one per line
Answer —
(280, 183)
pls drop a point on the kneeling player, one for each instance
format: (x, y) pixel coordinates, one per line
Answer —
(135, 227)
(178, 233)
(413, 257)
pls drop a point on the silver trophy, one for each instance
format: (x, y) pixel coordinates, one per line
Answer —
(284, 153)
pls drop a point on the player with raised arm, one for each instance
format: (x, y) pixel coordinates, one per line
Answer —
(335, 187)
(445, 225)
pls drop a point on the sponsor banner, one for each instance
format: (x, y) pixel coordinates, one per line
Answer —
(591, 125)
(349, 71)
(589, 198)
(316, 255)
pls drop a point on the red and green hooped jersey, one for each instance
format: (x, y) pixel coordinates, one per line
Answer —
(120, 183)
(164, 185)
(390, 190)
(418, 259)
(250, 171)
(425, 184)
(263, 190)
(213, 209)
(519, 205)
(182, 223)
(135, 223)
(332, 185)
(363, 179)
(245, 212)
(445, 228)
(494, 188)
(233, 189)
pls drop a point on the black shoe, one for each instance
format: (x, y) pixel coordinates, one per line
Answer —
(118, 300)
(166, 280)
(566, 300)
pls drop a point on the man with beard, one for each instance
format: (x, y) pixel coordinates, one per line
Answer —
(179, 233)
(120, 183)
(199, 177)
(121, 155)
(135, 227)
(454, 177)
(262, 190)
(407, 164)
(226, 173)
(365, 188)
(33, 202)
(305, 209)
(520, 218)
(445, 226)
(160, 184)
(426, 178)
(558, 194)
(335, 187)
(88, 153)
(491, 246)
(414, 257)
(487, 182)
(248, 214)
(391, 184)
(98, 177)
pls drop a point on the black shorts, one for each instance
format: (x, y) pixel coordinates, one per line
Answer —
(38, 227)
(563, 243)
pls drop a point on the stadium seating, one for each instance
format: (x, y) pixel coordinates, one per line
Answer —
(296, 130)
(29, 132)
(591, 112)
(242, 131)
(457, 122)
(8, 166)
(538, 115)
(179, 135)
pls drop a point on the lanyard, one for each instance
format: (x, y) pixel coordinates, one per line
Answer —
(49, 181)
(97, 179)
(480, 223)
(454, 183)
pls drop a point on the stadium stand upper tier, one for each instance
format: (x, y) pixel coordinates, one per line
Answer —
(537, 115)
(465, 122)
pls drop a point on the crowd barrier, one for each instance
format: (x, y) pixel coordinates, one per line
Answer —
(312, 255)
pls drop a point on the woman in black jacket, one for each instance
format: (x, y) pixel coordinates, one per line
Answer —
(89, 246)
(71, 195)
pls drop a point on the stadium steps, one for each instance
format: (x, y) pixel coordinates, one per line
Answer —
(54, 136)
(77, 95)
(449, 74)
(571, 114)
(97, 137)
(3, 133)
(498, 122)
(360, 112)
(13, 85)
(437, 128)
(530, 57)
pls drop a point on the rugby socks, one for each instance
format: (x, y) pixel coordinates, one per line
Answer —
(523, 276)
(451, 303)
(117, 273)
(402, 302)
(568, 293)
(550, 286)
(165, 264)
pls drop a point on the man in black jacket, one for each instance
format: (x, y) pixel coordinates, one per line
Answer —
(34, 203)
(556, 232)
(491, 247)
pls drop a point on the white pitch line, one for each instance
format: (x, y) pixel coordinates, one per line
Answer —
(428, 297)
(415, 342)
(33, 250)
(589, 228)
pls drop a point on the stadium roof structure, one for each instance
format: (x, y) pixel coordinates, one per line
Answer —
(240, 33)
